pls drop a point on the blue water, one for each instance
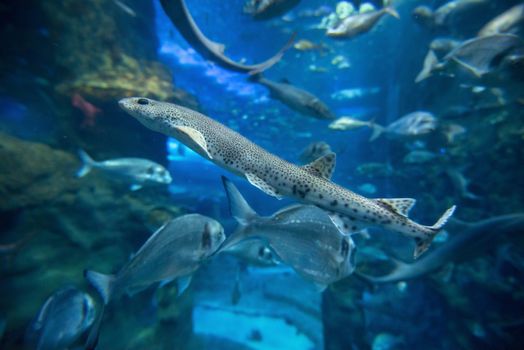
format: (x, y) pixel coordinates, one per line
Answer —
(54, 225)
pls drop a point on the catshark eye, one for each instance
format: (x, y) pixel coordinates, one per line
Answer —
(143, 101)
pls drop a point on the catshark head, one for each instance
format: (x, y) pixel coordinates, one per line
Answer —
(155, 115)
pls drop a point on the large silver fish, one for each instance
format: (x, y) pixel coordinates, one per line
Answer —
(175, 250)
(295, 98)
(412, 125)
(510, 21)
(475, 239)
(478, 56)
(63, 318)
(355, 25)
(177, 11)
(302, 236)
(310, 183)
(136, 171)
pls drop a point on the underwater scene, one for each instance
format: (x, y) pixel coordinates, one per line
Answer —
(262, 174)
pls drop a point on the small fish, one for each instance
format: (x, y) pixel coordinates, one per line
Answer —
(348, 123)
(253, 252)
(137, 171)
(267, 9)
(89, 110)
(350, 94)
(128, 10)
(452, 131)
(460, 183)
(419, 157)
(412, 125)
(358, 24)
(303, 237)
(386, 341)
(442, 46)
(63, 318)
(367, 188)
(175, 250)
(510, 21)
(295, 98)
(306, 45)
(478, 56)
(314, 151)
(447, 14)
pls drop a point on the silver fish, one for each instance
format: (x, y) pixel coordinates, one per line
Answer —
(442, 46)
(358, 24)
(175, 250)
(478, 56)
(511, 21)
(137, 171)
(302, 236)
(474, 240)
(447, 14)
(266, 9)
(414, 124)
(311, 183)
(295, 98)
(419, 157)
(348, 123)
(314, 151)
(63, 318)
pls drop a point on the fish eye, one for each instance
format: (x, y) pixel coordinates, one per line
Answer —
(142, 101)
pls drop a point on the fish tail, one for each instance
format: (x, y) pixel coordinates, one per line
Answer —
(273, 60)
(377, 131)
(87, 164)
(102, 283)
(94, 333)
(392, 12)
(422, 243)
(430, 63)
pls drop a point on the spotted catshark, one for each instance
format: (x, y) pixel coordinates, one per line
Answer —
(310, 183)
(179, 14)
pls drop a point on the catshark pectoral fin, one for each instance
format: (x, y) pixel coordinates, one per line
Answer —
(322, 166)
(400, 206)
(197, 138)
(345, 224)
(262, 185)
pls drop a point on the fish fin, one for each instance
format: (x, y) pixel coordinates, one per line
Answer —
(345, 224)
(392, 12)
(102, 283)
(262, 185)
(377, 131)
(197, 137)
(87, 163)
(400, 206)
(94, 333)
(422, 244)
(430, 62)
(238, 206)
(135, 187)
(475, 71)
(322, 166)
(182, 283)
(369, 280)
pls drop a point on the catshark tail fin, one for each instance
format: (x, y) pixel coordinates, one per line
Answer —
(87, 164)
(422, 243)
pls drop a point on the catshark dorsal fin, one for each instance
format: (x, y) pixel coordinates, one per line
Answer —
(322, 166)
(262, 185)
(400, 206)
(196, 137)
